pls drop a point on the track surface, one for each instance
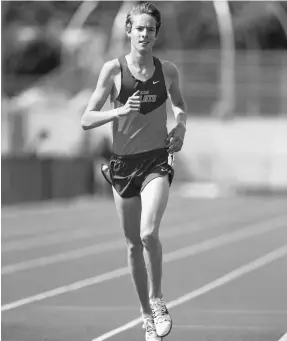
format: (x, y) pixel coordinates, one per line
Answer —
(64, 275)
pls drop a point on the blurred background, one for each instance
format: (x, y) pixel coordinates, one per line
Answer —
(232, 58)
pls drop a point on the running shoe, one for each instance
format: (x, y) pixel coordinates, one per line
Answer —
(161, 317)
(149, 327)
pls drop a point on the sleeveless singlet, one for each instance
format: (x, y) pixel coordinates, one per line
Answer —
(146, 130)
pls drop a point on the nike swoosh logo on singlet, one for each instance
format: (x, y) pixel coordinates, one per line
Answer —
(154, 82)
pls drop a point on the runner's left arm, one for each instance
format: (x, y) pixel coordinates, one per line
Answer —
(176, 136)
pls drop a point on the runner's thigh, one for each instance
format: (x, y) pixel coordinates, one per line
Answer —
(129, 212)
(154, 200)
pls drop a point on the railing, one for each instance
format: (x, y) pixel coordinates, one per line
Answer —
(260, 81)
(260, 88)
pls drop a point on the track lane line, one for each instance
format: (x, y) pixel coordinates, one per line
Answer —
(61, 236)
(55, 238)
(72, 208)
(114, 245)
(58, 237)
(6, 234)
(231, 276)
(101, 248)
(207, 245)
(224, 327)
(47, 207)
(179, 230)
(77, 204)
(283, 337)
(31, 227)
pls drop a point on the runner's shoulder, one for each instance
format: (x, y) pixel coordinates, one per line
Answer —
(169, 68)
(111, 68)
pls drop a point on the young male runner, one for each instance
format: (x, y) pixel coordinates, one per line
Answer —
(139, 85)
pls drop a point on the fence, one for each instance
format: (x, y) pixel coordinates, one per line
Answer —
(29, 179)
(260, 85)
(260, 90)
(260, 81)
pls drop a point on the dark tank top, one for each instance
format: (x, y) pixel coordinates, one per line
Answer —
(145, 130)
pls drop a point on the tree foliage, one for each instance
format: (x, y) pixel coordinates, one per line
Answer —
(257, 26)
(186, 25)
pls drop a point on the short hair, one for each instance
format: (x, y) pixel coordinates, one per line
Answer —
(144, 8)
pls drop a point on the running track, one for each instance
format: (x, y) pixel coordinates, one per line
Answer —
(64, 275)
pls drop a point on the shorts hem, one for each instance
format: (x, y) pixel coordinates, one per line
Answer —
(158, 175)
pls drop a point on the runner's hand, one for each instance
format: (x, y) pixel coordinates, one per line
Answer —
(174, 140)
(132, 105)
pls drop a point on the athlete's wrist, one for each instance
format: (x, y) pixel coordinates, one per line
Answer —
(181, 119)
(118, 112)
(182, 125)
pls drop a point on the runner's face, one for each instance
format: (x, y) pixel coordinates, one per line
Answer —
(143, 32)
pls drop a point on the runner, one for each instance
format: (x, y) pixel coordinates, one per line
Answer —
(139, 171)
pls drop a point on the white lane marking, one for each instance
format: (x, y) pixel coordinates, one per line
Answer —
(65, 256)
(67, 288)
(101, 248)
(8, 233)
(64, 236)
(77, 204)
(55, 238)
(96, 249)
(224, 327)
(65, 220)
(256, 312)
(118, 245)
(99, 308)
(231, 276)
(283, 337)
(46, 208)
(195, 249)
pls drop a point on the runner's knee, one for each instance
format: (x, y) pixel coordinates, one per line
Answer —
(149, 238)
(134, 245)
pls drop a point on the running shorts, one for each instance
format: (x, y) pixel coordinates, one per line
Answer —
(129, 174)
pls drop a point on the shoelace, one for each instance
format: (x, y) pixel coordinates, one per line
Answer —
(158, 310)
(148, 325)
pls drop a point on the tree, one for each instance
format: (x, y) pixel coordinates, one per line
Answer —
(256, 26)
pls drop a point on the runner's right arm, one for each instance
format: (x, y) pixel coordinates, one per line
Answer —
(93, 116)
